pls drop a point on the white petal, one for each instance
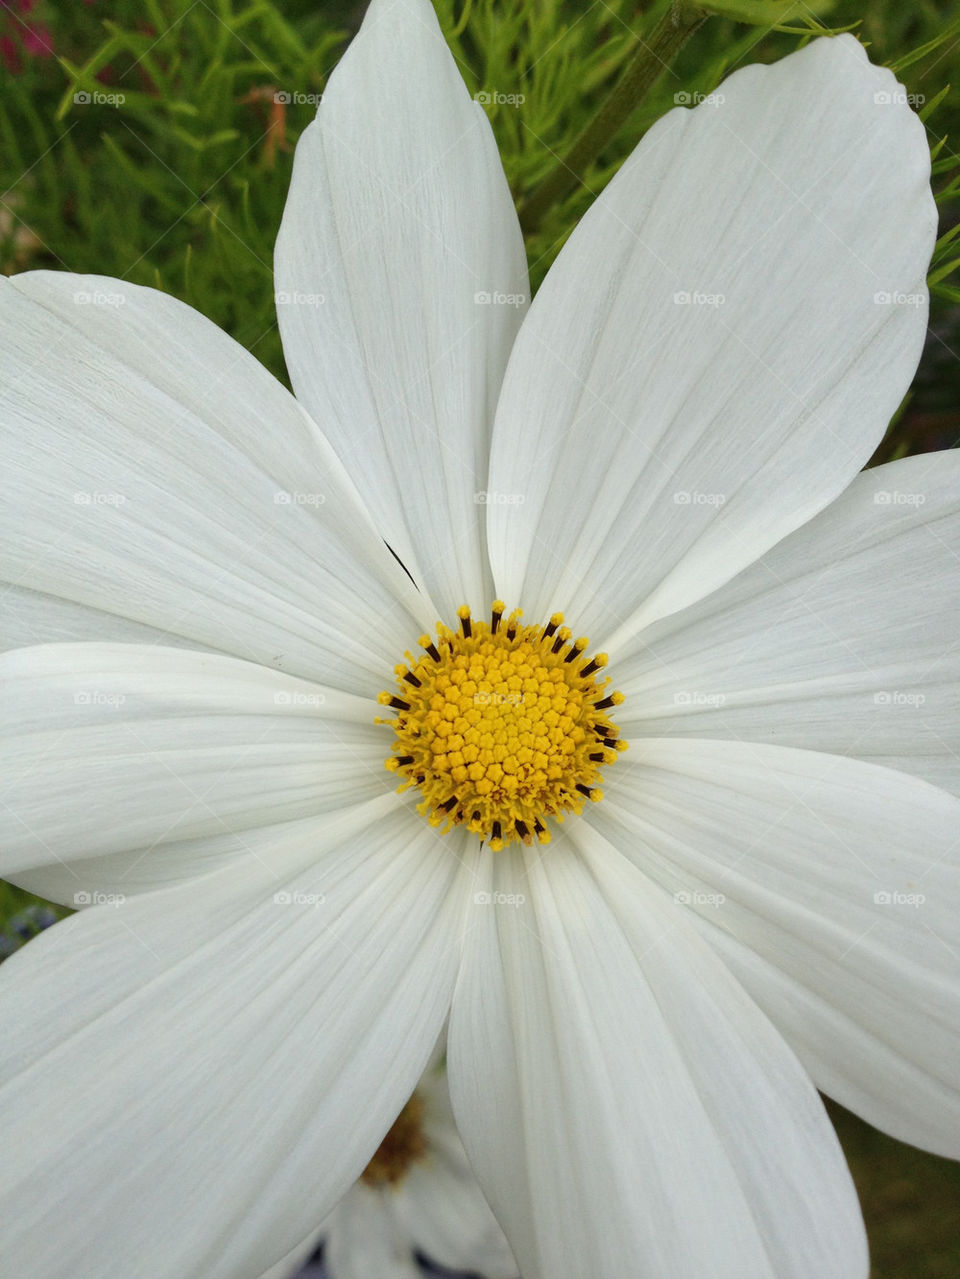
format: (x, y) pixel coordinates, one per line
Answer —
(30, 617)
(439, 1203)
(296, 1259)
(842, 638)
(399, 218)
(224, 1050)
(155, 470)
(166, 763)
(840, 883)
(661, 446)
(665, 1130)
(364, 1242)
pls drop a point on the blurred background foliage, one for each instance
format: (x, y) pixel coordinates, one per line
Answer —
(153, 140)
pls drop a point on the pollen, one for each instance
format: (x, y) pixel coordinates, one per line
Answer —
(404, 1145)
(502, 726)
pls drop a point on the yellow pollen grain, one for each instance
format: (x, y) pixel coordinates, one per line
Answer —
(502, 726)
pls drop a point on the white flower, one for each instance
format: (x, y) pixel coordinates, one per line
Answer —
(200, 1064)
(417, 1195)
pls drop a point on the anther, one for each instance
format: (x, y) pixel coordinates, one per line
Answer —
(427, 643)
(562, 636)
(578, 647)
(613, 700)
(552, 625)
(594, 665)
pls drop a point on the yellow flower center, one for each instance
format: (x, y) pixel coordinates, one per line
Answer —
(502, 726)
(403, 1145)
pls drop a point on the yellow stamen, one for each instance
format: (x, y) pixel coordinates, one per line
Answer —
(502, 725)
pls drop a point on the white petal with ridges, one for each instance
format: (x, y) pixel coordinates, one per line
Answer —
(598, 1050)
(659, 445)
(165, 762)
(439, 1204)
(400, 221)
(29, 617)
(363, 1240)
(840, 887)
(842, 638)
(224, 1049)
(155, 470)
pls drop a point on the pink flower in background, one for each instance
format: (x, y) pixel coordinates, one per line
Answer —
(19, 38)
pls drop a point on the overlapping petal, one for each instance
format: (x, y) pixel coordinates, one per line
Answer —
(156, 471)
(830, 887)
(720, 345)
(845, 637)
(628, 1109)
(441, 1206)
(180, 1068)
(165, 764)
(401, 280)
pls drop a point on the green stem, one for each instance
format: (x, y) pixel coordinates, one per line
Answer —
(652, 58)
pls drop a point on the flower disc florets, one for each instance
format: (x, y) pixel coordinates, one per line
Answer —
(502, 726)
